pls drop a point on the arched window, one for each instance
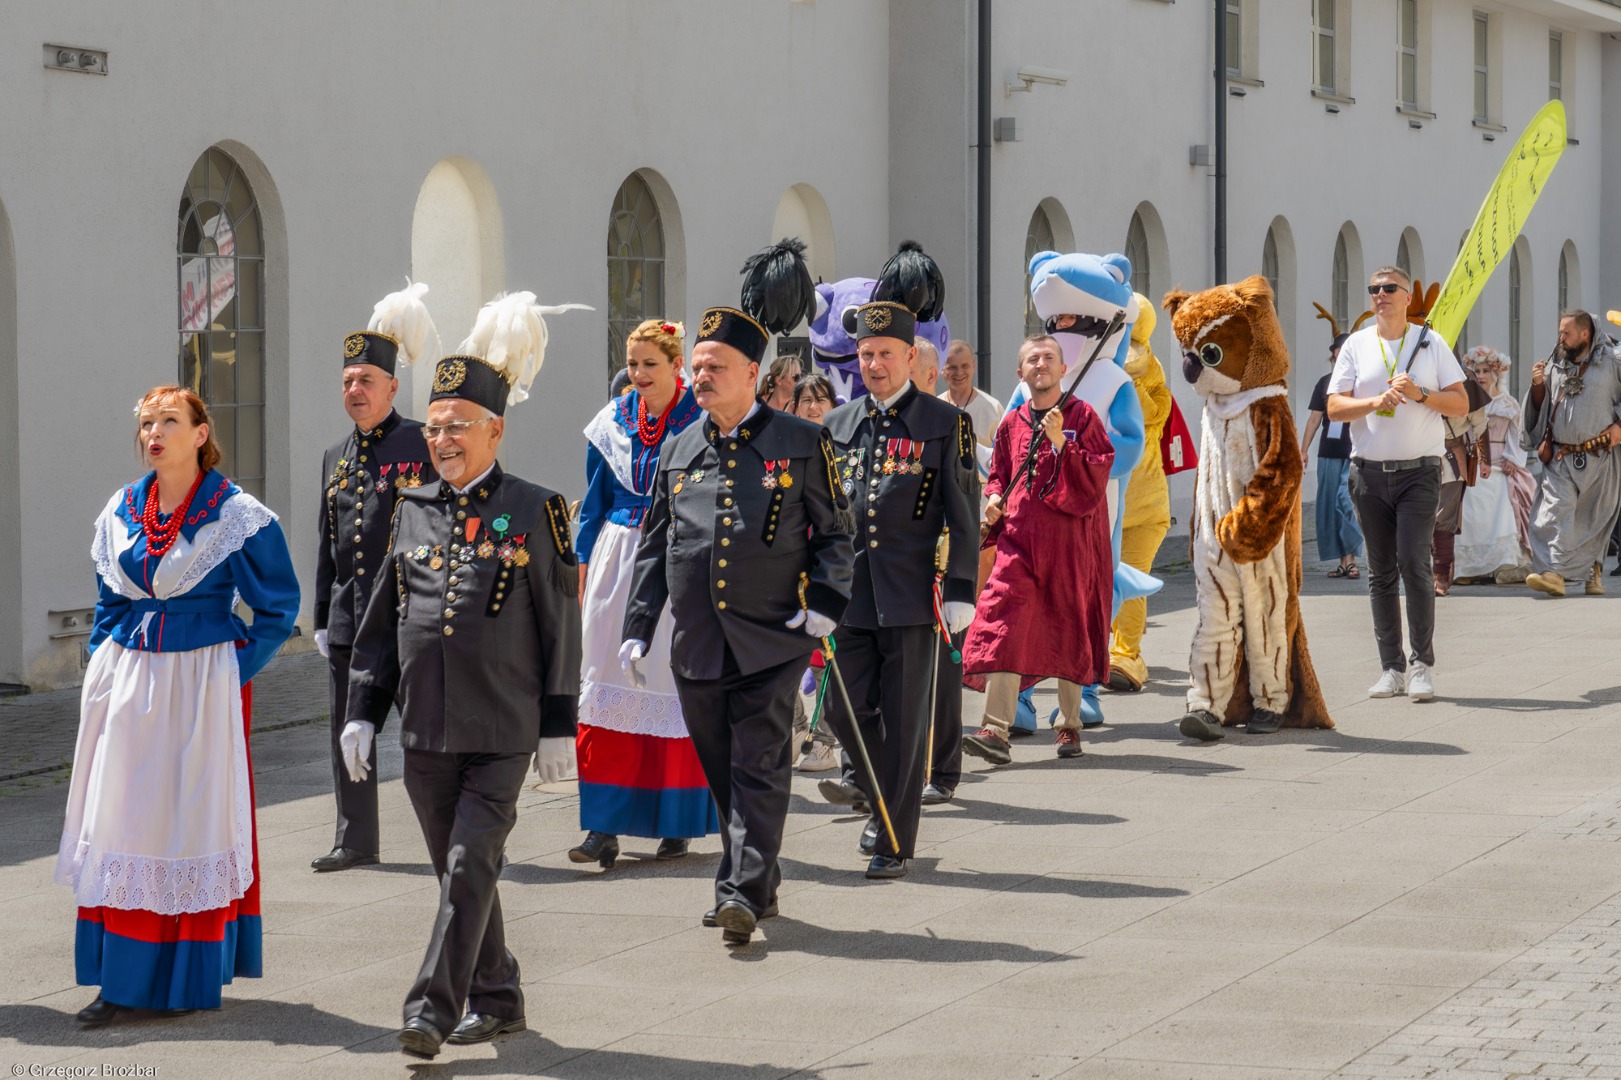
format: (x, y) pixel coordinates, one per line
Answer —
(1341, 298)
(1564, 278)
(1269, 264)
(635, 264)
(220, 268)
(1516, 308)
(1137, 253)
(1404, 257)
(1039, 237)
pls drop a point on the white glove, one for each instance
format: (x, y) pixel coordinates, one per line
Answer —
(630, 654)
(959, 614)
(817, 626)
(355, 742)
(320, 644)
(554, 760)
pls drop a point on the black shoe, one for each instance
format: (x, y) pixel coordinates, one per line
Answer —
(869, 837)
(341, 858)
(478, 1027)
(1263, 722)
(598, 847)
(770, 912)
(736, 921)
(672, 849)
(884, 867)
(1202, 724)
(1617, 571)
(842, 793)
(98, 1012)
(420, 1038)
(934, 795)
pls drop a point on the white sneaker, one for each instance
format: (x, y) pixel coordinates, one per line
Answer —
(820, 758)
(1390, 684)
(1420, 684)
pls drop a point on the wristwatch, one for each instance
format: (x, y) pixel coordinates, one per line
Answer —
(1423, 395)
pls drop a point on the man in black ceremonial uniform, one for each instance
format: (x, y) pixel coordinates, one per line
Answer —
(474, 627)
(745, 509)
(907, 461)
(362, 477)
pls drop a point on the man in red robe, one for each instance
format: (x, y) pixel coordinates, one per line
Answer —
(1045, 609)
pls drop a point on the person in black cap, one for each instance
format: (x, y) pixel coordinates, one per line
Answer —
(749, 540)
(363, 477)
(908, 465)
(474, 628)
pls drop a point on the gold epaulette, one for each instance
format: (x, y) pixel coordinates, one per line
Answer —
(965, 440)
(557, 517)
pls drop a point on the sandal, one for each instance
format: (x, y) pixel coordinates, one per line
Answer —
(1352, 572)
(1344, 572)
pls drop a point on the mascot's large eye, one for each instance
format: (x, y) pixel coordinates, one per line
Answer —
(1210, 354)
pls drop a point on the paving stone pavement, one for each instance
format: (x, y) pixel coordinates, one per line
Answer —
(1308, 904)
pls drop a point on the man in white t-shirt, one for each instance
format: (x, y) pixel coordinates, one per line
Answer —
(1392, 384)
(984, 410)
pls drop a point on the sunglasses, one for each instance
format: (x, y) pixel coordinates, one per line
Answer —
(1387, 288)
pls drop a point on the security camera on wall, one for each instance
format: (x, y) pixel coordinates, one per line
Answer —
(1029, 76)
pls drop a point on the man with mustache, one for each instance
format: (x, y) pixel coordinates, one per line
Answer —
(1571, 414)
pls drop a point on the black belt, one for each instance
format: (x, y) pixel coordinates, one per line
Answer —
(1397, 466)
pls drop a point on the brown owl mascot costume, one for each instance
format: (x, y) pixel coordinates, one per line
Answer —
(1249, 663)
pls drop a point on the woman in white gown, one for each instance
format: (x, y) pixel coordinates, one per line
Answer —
(1496, 511)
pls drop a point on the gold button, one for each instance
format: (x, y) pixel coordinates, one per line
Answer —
(449, 630)
(721, 605)
(360, 569)
(504, 574)
(450, 598)
(731, 464)
(359, 554)
(723, 564)
(725, 521)
(725, 542)
(364, 442)
(730, 446)
(728, 483)
(362, 457)
(462, 501)
(720, 584)
(461, 515)
(495, 606)
(728, 502)
(452, 580)
(449, 614)
(872, 513)
(872, 543)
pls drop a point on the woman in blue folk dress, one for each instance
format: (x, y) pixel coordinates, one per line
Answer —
(639, 775)
(159, 844)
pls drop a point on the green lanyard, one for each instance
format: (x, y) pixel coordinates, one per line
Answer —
(1390, 365)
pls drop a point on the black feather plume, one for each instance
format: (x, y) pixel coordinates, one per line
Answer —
(777, 289)
(911, 278)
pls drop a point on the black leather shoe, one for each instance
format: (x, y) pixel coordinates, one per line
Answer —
(1201, 724)
(735, 920)
(98, 1012)
(770, 912)
(598, 847)
(341, 858)
(934, 795)
(672, 849)
(477, 1027)
(884, 867)
(842, 793)
(869, 837)
(420, 1038)
(1263, 722)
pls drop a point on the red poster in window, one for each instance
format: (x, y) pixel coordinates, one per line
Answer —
(1176, 447)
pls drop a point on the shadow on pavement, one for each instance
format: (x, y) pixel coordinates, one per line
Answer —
(1591, 699)
(787, 934)
(281, 1023)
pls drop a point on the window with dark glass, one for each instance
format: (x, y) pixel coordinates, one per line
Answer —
(1039, 237)
(635, 266)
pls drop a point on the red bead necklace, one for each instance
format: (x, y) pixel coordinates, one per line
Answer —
(651, 431)
(160, 538)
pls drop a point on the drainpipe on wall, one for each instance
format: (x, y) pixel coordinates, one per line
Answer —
(982, 223)
(1221, 143)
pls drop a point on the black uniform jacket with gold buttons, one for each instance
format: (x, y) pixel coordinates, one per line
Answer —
(362, 477)
(910, 472)
(474, 624)
(735, 522)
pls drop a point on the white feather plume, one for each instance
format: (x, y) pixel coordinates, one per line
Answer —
(510, 336)
(403, 317)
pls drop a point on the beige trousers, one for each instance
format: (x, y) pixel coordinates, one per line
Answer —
(1002, 702)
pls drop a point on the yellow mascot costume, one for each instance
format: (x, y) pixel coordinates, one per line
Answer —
(1146, 516)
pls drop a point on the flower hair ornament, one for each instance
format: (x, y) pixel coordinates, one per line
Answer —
(674, 329)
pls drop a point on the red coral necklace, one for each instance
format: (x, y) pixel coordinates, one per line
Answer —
(160, 538)
(651, 431)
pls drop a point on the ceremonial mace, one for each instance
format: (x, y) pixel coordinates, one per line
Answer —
(940, 556)
(855, 724)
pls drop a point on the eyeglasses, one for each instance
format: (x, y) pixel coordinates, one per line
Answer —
(455, 429)
(1386, 287)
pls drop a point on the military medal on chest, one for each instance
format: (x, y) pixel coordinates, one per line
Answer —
(776, 474)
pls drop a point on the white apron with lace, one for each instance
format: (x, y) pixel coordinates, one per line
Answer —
(607, 698)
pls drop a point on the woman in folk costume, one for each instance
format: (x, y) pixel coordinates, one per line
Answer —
(639, 774)
(159, 845)
(1146, 517)
(1497, 510)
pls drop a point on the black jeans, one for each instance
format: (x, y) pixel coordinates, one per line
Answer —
(1397, 513)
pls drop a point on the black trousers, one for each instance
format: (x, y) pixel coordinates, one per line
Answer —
(357, 803)
(945, 751)
(466, 804)
(1397, 511)
(888, 672)
(741, 727)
